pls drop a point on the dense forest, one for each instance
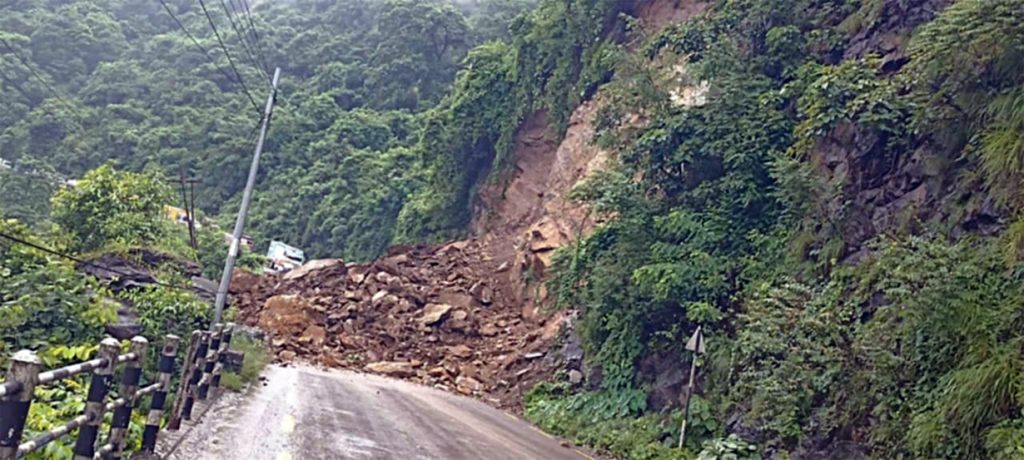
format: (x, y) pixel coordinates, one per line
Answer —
(122, 96)
(841, 213)
(85, 87)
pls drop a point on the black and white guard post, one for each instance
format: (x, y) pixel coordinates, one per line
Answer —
(15, 400)
(165, 368)
(129, 386)
(197, 374)
(85, 445)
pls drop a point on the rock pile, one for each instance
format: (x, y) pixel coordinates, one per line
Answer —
(438, 315)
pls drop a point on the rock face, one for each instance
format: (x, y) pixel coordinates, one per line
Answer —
(121, 274)
(887, 35)
(527, 215)
(439, 315)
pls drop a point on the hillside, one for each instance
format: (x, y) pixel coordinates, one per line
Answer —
(827, 188)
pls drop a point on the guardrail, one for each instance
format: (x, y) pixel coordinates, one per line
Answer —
(202, 369)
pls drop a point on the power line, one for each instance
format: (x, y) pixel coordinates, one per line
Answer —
(255, 33)
(28, 99)
(204, 51)
(231, 61)
(81, 261)
(28, 66)
(242, 38)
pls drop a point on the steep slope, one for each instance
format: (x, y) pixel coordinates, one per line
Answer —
(467, 315)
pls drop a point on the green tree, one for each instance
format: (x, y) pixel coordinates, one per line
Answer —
(108, 207)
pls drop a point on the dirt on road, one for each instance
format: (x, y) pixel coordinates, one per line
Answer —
(444, 316)
(311, 414)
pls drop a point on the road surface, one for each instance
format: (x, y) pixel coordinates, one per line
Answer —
(303, 413)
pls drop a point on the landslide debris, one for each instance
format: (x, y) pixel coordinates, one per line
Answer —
(443, 315)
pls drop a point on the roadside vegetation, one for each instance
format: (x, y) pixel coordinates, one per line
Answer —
(900, 336)
(256, 358)
(841, 216)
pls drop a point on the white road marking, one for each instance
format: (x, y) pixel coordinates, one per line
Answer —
(288, 424)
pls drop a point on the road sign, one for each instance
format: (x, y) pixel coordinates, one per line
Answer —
(696, 342)
(695, 345)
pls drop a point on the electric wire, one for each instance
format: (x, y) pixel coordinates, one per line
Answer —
(28, 99)
(243, 38)
(256, 35)
(203, 50)
(42, 80)
(81, 261)
(231, 61)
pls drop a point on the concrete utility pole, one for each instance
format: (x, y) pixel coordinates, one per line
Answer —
(695, 345)
(243, 212)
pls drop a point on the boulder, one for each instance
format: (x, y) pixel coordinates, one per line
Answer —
(314, 336)
(331, 360)
(287, 315)
(233, 360)
(127, 324)
(437, 372)
(394, 263)
(312, 266)
(489, 330)
(458, 299)
(482, 293)
(468, 385)
(391, 368)
(434, 313)
(462, 351)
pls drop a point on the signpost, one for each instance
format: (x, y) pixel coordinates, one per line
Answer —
(696, 346)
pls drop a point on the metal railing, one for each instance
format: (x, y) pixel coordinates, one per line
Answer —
(204, 364)
(201, 370)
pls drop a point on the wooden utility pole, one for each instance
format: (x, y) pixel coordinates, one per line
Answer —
(696, 346)
(189, 206)
(243, 211)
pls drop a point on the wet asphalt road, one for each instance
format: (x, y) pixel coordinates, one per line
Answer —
(303, 413)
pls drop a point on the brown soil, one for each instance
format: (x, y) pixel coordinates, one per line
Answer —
(657, 14)
(437, 315)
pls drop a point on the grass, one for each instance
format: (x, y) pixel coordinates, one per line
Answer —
(256, 358)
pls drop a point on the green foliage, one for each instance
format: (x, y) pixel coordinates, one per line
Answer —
(558, 55)
(256, 358)
(458, 143)
(850, 92)
(164, 310)
(727, 214)
(25, 192)
(110, 207)
(922, 337)
(213, 250)
(729, 448)
(358, 78)
(43, 299)
(609, 421)
(964, 68)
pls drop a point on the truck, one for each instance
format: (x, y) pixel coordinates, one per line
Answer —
(282, 257)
